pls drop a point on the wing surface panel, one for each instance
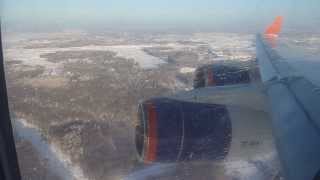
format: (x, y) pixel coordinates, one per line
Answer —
(294, 107)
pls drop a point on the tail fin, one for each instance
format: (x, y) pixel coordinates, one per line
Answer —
(275, 28)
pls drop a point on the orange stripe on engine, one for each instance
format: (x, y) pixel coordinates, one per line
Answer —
(152, 143)
(211, 80)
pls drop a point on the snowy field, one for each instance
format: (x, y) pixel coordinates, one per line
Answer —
(32, 57)
(225, 46)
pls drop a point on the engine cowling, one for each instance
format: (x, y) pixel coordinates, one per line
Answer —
(205, 124)
(221, 75)
(173, 130)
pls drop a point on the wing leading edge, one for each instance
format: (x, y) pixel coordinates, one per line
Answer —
(294, 107)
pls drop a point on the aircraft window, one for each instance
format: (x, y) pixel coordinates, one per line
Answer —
(126, 90)
(317, 177)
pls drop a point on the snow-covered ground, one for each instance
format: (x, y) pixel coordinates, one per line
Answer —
(225, 46)
(33, 57)
(229, 46)
(134, 52)
(185, 70)
(58, 162)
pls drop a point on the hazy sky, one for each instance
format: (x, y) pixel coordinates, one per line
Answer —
(160, 14)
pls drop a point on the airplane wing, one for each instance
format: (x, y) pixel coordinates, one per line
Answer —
(294, 101)
(226, 118)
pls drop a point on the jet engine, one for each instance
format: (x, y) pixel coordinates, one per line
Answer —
(220, 75)
(207, 123)
(174, 130)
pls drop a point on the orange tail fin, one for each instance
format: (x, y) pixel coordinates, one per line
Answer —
(275, 28)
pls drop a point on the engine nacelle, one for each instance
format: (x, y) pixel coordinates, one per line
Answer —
(221, 75)
(173, 130)
(213, 123)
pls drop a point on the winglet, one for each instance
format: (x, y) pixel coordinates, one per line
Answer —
(275, 28)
